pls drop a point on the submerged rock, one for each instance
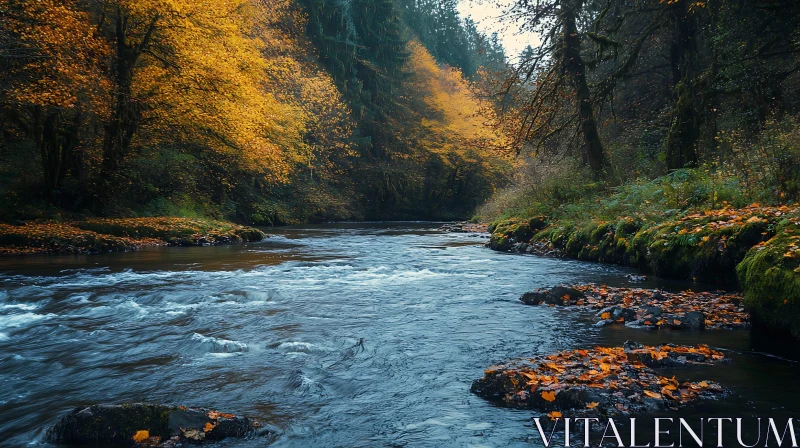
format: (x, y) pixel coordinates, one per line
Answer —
(141, 424)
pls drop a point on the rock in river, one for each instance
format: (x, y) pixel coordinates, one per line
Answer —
(608, 381)
(560, 295)
(140, 424)
(647, 308)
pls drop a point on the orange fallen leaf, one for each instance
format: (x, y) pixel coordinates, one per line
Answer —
(141, 436)
(605, 315)
(549, 396)
(652, 394)
(554, 415)
(208, 427)
(592, 405)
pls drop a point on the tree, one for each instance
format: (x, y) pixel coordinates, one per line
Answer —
(54, 80)
(540, 80)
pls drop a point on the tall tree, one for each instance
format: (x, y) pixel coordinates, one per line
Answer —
(54, 80)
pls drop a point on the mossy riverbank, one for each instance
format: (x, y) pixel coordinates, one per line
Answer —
(754, 248)
(119, 235)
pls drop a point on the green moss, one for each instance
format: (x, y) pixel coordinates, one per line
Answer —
(771, 281)
(508, 231)
(500, 242)
(538, 223)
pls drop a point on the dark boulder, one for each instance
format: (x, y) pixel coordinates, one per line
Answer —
(102, 425)
(694, 320)
(618, 312)
(650, 311)
(560, 295)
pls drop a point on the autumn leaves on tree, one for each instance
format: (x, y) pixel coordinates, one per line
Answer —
(232, 95)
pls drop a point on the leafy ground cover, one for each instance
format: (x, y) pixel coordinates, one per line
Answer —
(602, 381)
(648, 308)
(119, 234)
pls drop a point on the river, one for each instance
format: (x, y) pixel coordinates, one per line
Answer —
(339, 335)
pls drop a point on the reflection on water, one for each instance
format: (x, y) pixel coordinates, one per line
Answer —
(349, 335)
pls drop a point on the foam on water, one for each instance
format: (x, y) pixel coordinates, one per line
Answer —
(219, 345)
(300, 347)
(19, 306)
(339, 337)
(22, 320)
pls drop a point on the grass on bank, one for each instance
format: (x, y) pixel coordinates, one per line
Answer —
(696, 224)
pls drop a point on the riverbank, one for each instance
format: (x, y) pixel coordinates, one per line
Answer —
(754, 248)
(118, 235)
(692, 225)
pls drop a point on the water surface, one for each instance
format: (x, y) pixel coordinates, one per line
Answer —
(348, 335)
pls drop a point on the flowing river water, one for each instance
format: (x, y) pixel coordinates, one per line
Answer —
(339, 335)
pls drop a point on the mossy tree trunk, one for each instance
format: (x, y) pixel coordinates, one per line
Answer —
(684, 131)
(573, 64)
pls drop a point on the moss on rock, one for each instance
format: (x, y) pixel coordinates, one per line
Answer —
(754, 247)
(770, 277)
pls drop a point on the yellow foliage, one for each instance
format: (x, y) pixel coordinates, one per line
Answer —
(229, 75)
(206, 80)
(457, 123)
(64, 58)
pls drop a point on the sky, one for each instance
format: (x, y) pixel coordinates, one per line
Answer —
(487, 13)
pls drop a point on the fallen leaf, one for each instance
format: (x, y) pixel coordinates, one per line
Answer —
(141, 436)
(554, 415)
(549, 396)
(652, 394)
(592, 405)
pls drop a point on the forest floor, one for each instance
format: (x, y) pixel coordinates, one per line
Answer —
(118, 235)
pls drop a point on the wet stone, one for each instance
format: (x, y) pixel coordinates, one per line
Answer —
(648, 309)
(602, 381)
(464, 227)
(141, 424)
(560, 295)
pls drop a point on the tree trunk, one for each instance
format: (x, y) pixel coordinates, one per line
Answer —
(593, 152)
(124, 121)
(684, 131)
(56, 143)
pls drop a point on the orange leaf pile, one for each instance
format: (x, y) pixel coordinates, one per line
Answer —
(720, 309)
(601, 378)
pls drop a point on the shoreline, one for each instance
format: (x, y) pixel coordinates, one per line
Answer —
(753, 249)
(101, 235)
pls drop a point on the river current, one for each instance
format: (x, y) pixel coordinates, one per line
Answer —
(340, 335)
